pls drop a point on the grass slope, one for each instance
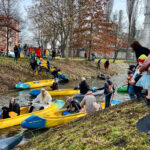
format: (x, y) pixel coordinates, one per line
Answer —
(110, 129)
(12, 72)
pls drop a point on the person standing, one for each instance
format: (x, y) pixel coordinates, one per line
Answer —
(106, 64)
(16, 51)
(98, 64)
(109, 91)
(83, 86)
(139, 49)
(53, 54)
(90, 102)
(25, 50)
(34, 65)
(19, 51)
(131, 88)
(30, 50)
(144, 81)
(85, 55)
(38, 52)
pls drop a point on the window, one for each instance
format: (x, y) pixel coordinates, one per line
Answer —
(9, 32)
(1, 20)
(9, 44)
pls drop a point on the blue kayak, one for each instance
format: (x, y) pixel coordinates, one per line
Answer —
(115, 102)
(97, 93)
(10, 143)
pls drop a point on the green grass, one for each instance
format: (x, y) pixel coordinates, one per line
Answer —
(110, 129)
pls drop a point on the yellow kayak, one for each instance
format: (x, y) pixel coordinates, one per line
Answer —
(60, 92)
(5, 123)
(34, 84)
(64, 92)
(60, 75)
(47, 121)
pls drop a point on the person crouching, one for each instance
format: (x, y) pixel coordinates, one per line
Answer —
(90, 102)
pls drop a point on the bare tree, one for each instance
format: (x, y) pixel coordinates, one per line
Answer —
(132, 7)
(9, 9)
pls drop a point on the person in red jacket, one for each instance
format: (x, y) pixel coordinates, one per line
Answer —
(38, 52)
(30, 51)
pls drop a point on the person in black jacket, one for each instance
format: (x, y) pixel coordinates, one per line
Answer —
(55, 85)
(55, 72)
(13, 107)
(73, 105)
(34, 65)
(83, 86)
(16, 51)
(139, 49)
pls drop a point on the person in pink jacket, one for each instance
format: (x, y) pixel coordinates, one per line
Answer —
(144, 81)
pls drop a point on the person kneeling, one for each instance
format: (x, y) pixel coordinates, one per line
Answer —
(42, 101)
(12, 111)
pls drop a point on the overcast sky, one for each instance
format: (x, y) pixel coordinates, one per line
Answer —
(118, 5)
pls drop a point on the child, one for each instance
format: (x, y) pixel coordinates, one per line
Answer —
(130, 84)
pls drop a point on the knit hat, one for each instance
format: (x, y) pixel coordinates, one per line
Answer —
(69, 99)
(142, 58)
(43, 89)
(131, 67)
(83, 79)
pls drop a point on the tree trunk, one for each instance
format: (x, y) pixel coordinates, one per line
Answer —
(115, 55)
(7, 40)
(128, 45)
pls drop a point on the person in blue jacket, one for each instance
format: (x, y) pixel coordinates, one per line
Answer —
(109, 91)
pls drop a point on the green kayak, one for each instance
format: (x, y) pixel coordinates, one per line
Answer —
(122, 89)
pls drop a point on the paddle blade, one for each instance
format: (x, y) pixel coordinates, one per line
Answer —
(143, 125)
(36, 73)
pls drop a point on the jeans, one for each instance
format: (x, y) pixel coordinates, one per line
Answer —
(138, 93)
(107, 100)
(16, 56)
(131, 91)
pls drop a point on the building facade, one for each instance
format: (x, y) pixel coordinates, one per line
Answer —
(9, 27)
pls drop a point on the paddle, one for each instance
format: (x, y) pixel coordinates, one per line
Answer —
(143, 125)
(124, 85)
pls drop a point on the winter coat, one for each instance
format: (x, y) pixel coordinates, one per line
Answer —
(46, 102)
(141, 50)
(90, 102)
(55, 86)
(38, 52)
(16, 50)
(84, 88)
(15, 108)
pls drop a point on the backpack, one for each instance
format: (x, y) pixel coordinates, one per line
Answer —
(110, 88)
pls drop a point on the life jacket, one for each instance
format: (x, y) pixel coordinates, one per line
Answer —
(129, 80)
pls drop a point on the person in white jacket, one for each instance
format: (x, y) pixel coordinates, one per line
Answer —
(42, 101)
